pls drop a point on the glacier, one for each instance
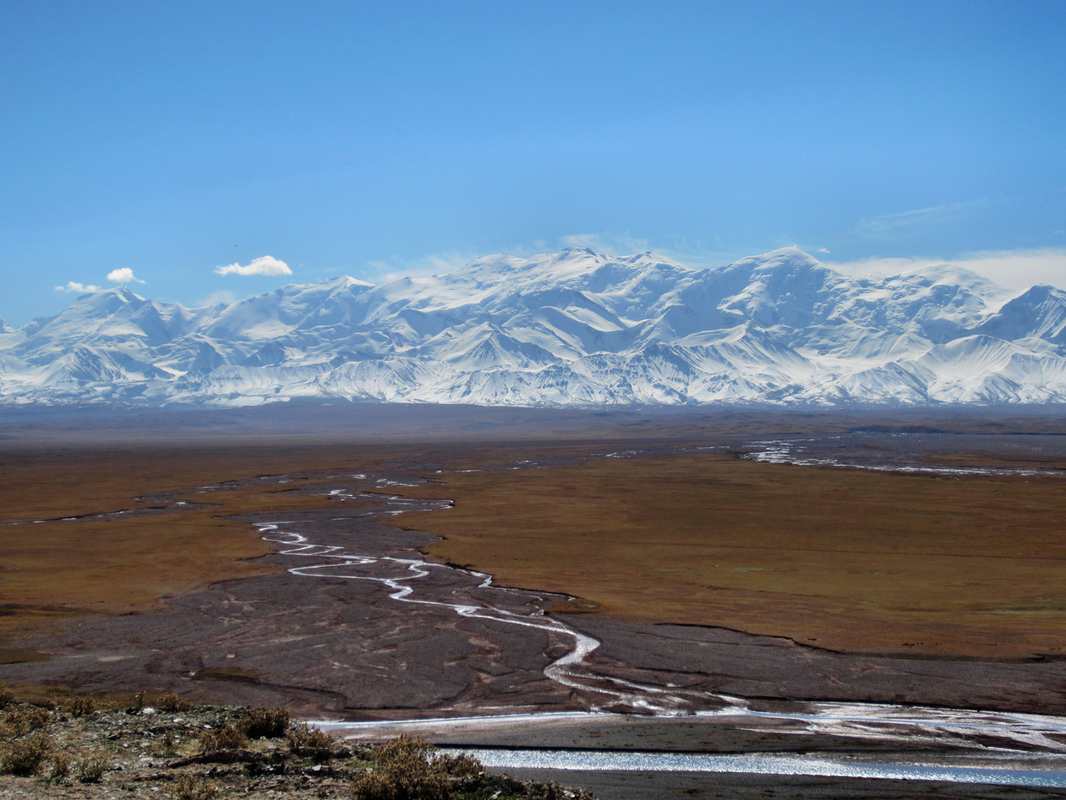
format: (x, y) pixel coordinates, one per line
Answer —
(567, 329)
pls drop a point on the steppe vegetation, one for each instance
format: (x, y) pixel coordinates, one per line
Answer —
(81, 746)
(65, 564)
(846, 560)
(849, 560)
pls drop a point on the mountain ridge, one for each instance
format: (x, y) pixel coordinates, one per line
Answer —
(574, 328)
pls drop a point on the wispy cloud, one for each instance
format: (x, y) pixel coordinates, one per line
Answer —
(442, 263)
(885, 225)
(1013, 269)
(218, 298)
(607, 243)
(80, 288)
(264, 265)
(122, 275)
(610, 244)
(433, 264)
(711, 253)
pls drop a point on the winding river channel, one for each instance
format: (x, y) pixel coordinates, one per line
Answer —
(907, 726)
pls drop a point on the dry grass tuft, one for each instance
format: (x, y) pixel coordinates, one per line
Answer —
(92, 768)
(81, 706)
(264, 723)
(224, 737)
(194, 787)
(308, 742)
(405, 769)
(170, 702)
(58, 767)
(25, 756)
(22, 719)
(460, 766)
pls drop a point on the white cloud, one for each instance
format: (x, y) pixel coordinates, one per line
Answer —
(122, 275)
(822, 250)
(1012, 269)
(264, 265)
(80, 288)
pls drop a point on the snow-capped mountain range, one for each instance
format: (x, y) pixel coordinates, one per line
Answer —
(574, 328)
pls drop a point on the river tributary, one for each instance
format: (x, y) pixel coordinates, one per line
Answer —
(908, 726)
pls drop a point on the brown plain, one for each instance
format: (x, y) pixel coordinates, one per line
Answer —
(54, 569)
(849, 560)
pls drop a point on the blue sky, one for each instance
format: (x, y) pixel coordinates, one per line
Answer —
(155, 142)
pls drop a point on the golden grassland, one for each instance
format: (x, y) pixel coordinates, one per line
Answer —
(53, 569)
(849, 560)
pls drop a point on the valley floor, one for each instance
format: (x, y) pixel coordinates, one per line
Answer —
(209, 610)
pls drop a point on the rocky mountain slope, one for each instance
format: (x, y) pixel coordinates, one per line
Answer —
(574, 328)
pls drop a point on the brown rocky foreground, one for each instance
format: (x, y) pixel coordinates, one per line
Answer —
(131, 750)
(199, 753)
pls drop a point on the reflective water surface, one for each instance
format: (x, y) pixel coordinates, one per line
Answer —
(764, 764)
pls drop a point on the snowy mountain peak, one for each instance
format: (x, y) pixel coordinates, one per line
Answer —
(569, 328)
(956, 277)
(782, 258)
(113, 298)
(349, 281)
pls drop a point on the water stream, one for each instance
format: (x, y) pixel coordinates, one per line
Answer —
(909, 452)
(909, 726)
(401, 576)
(1016, 774)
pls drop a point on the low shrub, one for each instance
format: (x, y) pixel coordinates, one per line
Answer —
(170, 702)
(224, 737)
(303, 740)
(168, 746)
(92, 768)
(460, 766)
(25, 756)
(192, 787)
(394, 785)
(7, 697)
(81, 706)
(405, 769)
(58, 767)
(22, 719)
(264, 723)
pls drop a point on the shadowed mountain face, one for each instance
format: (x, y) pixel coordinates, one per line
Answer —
(574, 328)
